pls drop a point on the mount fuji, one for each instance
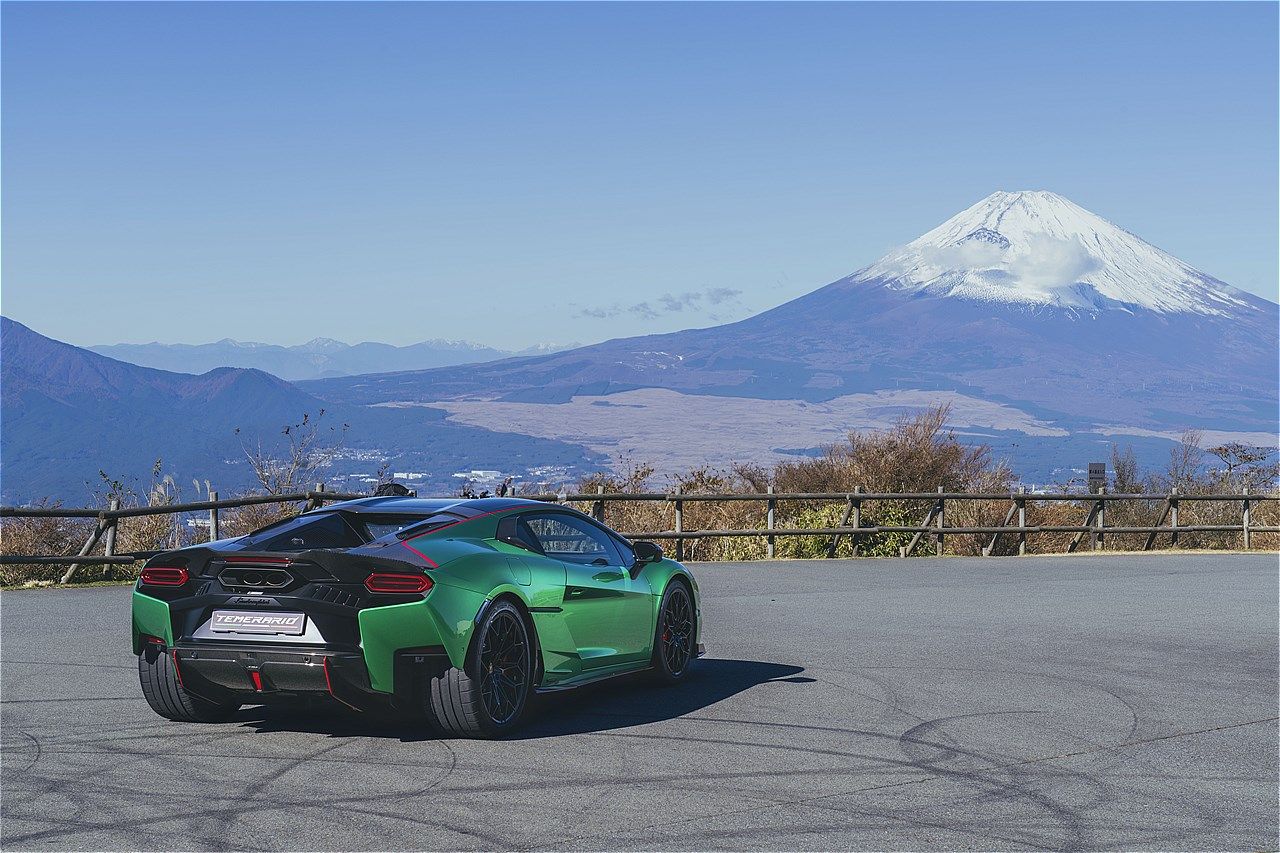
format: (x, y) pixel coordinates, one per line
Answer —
(1040, 250)
(1051, 331)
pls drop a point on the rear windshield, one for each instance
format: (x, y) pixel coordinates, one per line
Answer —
(341, 530)
(428, 524)
(384, 525)
(306, 532)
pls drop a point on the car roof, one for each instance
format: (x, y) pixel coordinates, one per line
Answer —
(392, 505)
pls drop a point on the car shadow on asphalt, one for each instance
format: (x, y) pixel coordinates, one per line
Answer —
(629, 700)
(332, 720)
(636, 700)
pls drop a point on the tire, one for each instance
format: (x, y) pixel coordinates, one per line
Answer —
(489, 696)
(166, 696)
(675, 635)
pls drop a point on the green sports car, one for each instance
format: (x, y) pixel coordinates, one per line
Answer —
(453, 611)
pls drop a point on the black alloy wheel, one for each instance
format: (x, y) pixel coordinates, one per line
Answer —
(487, 697)
(675, 630)
(504, 666)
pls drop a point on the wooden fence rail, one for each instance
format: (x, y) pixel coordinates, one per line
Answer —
(932, 526)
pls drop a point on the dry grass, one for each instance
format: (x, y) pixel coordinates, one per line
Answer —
(40, 536)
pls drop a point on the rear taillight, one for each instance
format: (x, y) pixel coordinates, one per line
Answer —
(397, 583)
(164, 576)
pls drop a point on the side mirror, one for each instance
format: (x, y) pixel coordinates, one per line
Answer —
(647, 552)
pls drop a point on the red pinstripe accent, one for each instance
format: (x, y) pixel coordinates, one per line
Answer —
(432, 562)
(257, 680)
(329, 686)
(177, 669)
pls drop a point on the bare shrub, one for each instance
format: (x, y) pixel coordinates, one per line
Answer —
(295, 465)
(246, 519)
(38, 537)
(917, 454)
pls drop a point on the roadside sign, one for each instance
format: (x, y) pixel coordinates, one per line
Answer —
(1097, 476)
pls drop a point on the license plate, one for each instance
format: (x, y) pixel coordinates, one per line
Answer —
(248, 622)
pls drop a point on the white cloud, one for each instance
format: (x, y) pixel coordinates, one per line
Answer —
(1050, 262)
(667, 303)
(1041, 263)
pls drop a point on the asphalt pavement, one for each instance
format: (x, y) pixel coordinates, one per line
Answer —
(1089, 702)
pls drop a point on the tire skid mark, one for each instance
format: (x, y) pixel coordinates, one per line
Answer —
(601, 781)
(236, 801)
(1077, 680)
(39, 750)
(238, 807)
(58, 786)
(1073, 680)
(805, 801)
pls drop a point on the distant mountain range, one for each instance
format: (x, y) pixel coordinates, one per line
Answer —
(316, 359)
(69, 413)
(1050, 331)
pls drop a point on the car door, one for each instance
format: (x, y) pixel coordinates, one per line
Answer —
(637, 609)
(596, 584)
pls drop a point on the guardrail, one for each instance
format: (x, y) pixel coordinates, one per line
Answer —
(932, 526)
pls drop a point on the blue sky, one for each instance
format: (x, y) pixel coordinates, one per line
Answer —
(521, 173)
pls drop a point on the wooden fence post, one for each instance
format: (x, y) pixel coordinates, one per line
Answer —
(597, 508)
(317, 500)
(1098, 539)
(939, 546)
(1022, 521)
(769, 523)
(214, 533)
(1090, 526)
(679, 528)
(852, 508)
(925, 525)
(109, 549)
(1173, 514)
(995, 537)
(98, 530)
(1245, 519)
(1151, 537)
(855, 539)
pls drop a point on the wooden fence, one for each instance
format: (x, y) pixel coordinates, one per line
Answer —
(932, 527)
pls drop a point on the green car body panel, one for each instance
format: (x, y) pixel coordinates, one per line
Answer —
(588, 621)
(151, 619)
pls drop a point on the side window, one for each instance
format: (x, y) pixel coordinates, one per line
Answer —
(627, 552)
(514, 531)
(573, 540)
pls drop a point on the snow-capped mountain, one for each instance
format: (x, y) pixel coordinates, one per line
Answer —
(1037, 248)
(1081, 333)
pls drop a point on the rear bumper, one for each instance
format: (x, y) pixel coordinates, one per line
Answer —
(363, 650)
(255, 674)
